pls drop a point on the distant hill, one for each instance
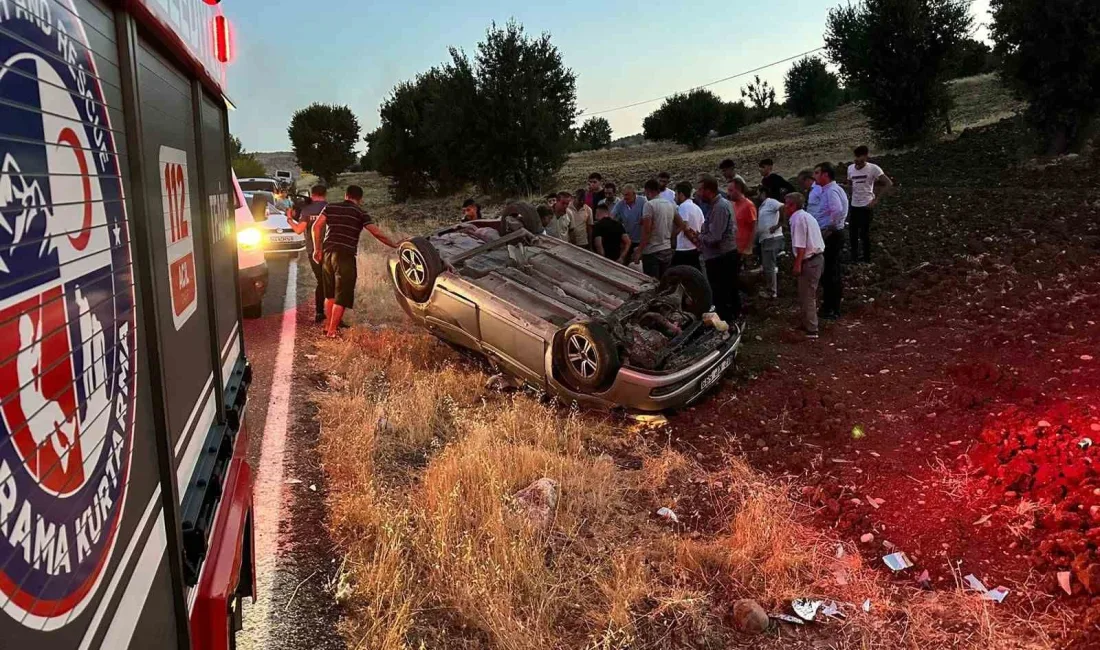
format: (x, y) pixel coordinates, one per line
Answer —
(273, 160)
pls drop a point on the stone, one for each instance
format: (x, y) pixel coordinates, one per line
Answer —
(867, 538)
(538, 502)
(749, 617)
(1087, 573)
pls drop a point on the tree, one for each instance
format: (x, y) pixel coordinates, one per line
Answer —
(734, 116)
(245, 164)
(761, 96)
(685, 118)
(527, 101)
(323, 137)
(812, 91)
(893, 54)
(1051, 53)
(971, 57)
(595, 133)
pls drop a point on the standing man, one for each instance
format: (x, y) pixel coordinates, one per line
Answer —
(769, 233)
(687, 253)
(559, 223)
(579, 220)
(659, 221)
(594, 194)
(610, 190)
(629, 213)
(744, 214)
(663, 179)
(728, 169)
(808, 248)
(863, 176)
(609, 237)
(345, 220)
(831, 215)
(303, 225)
(775, 184)
(718, 250)
(471, 211)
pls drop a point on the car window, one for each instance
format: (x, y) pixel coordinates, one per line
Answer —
(258, 186)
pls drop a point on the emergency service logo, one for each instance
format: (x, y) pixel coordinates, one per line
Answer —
(67, 329)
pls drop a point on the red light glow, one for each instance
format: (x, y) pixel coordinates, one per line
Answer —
(223, 39)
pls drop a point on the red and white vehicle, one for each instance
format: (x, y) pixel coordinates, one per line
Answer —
(125, 493)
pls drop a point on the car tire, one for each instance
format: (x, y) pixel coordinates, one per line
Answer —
(253, 311)
(418, 266)
(697, 294)
(589, 356)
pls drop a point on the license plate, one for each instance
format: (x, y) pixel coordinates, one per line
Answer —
(281, 239)
(715, 374)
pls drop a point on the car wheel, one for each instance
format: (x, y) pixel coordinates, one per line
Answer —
(588, 356)
(418, 266)
(697, 295)
(253, 311)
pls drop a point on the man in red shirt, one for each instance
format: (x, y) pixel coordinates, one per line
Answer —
(744, 212)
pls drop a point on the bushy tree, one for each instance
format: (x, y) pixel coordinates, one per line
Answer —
(1051, 51)
(812, 90)
(735, 115)
(894, 55)
(595, 133)
(971, 57)
(245, 164)
(761, 97)
(323, 137)
(685, 118)
(527, 101)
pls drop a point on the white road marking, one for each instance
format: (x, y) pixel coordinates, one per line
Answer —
(267, 493)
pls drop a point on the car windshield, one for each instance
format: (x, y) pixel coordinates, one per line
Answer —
(269, 205)
(258, 185)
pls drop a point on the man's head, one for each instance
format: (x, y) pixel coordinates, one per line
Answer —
(578, 197)
(793, 202)
(354, 193)
(806, 179)
(861, 153)
(663, 179)
(728, 169)
(737, 189)
(471, 210)
(609, 190)
(708, 188)
(546, 215)
(630, 195)
(318, 192)
(824, 173)
(652, 188)
(602, 211)
(683, 192)
(551, 199)
(562, 203)
(594, 180)
(766, 166)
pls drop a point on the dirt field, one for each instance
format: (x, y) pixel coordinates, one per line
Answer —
(946, 416)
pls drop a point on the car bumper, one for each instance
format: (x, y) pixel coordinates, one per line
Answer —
(253, 284)
(638, 390)
(296, 246)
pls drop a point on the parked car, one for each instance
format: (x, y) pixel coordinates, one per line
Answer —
(278, 236)
(565, 319)
(251, 267)
(259, 185)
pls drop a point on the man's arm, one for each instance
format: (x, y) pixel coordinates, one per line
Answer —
(719, 221)
(785, 184)
(588, 226)
(379, 235)
(647, 230)
(318, 228)
(887, 185)
(800, 253)
(677, 227)
(598, 242)
(624, 247)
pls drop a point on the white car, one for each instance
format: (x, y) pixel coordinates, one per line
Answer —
(252, 269)
(278, 236)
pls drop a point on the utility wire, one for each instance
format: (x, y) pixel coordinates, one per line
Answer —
(716, 81)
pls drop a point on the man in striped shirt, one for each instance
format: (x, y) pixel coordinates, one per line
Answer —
(344, 220)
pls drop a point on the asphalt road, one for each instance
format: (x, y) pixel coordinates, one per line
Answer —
(296, 564)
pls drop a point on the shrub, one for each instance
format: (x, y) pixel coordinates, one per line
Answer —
(812, 91)
(595, 133)
(245, 164)
(761, 97)
(1051, 51)
(734, 116)
(893, 55)
(685, 118)
(323, 137)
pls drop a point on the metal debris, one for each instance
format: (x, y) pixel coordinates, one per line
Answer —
(1084, 443)
(983, 519)
(667, 513)
(867, 605)
(857, 432)
(1063, 582)
(972, 581)
(805, 608)
(897, 561)
(313, 487)
(832, 610)
(839, 551)
(925, 579)
(787, 618)
(652, 419)
(996, 595)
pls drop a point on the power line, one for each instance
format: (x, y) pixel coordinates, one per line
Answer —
(706, 85)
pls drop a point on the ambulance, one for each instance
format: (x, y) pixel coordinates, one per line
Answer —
(125, 489)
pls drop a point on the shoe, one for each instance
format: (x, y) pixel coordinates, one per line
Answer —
(766, 294)
(812, 335)
(319, 318)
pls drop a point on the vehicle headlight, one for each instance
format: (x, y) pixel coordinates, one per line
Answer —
(250, 238)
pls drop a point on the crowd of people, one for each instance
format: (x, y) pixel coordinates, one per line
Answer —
(722, 225)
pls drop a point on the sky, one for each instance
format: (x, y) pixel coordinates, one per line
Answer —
(354, 52)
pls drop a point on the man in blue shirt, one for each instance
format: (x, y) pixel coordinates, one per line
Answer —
(829, 207)
(301, 222)
(629, 213)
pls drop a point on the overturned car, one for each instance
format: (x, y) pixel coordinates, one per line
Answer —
(565, 319)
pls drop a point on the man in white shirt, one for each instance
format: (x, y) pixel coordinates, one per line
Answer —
(687, 254)
(863, 177)
(769, 235)
(809, 260)
(663, 180)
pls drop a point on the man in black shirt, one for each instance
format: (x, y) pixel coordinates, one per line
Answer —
(344, 220)
(609, 236)
(775, 185)
(302, 223)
